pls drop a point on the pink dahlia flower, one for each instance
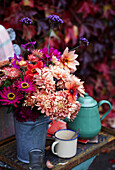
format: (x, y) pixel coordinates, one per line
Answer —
(10, 95)
(57, 105)
(52, 52)
(33, 58)
(12, 72)
(68, 60)
(25, 85)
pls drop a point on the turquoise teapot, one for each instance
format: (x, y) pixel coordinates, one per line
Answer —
(88, 119)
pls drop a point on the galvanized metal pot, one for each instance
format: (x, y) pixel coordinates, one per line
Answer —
(30, 135)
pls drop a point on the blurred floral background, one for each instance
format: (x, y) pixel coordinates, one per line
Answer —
(92, 19)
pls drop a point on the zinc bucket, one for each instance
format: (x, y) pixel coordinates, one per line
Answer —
(30, 135)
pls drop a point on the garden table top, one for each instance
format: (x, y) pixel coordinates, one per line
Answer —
(84, 152)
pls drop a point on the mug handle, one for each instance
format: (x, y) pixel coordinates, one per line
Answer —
(103, 102)
(53, 146)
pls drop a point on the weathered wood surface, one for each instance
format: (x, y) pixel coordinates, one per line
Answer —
(84, 152)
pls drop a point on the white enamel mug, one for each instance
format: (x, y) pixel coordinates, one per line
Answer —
(64, 146)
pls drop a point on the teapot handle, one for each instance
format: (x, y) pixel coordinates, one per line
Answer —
(103, 102)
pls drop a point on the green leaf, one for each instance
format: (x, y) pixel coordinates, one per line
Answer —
(7, 83)
(10, 108)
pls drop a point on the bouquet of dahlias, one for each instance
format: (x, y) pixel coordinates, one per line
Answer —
(43, 83)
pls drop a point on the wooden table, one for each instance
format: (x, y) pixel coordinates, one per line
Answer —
(84, 152)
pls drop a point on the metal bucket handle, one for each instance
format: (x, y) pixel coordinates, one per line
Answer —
(36, 124)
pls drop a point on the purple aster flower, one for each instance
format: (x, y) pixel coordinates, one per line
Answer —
(26, 20)
(52, 52)
(25, 114)
(55, 19)
(28, 46)
(82, 39)
(10, 96)
(26, 86)
(16, 60)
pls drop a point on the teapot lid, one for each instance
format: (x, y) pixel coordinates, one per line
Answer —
(87, 101)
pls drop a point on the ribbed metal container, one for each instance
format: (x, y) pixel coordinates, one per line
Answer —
(30, 135)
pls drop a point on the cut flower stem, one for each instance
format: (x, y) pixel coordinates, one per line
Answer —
(49, 42)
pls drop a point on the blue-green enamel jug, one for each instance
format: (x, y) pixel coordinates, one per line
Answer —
(88, 119)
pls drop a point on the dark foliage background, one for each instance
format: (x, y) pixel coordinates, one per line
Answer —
(93, 19)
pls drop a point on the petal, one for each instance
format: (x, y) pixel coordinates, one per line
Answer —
(67, 85)
(65, 51)
(30, 66)
(72, 99)
(72, 56)
(71, 65)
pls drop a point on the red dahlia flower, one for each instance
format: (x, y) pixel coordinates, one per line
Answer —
(31, 69)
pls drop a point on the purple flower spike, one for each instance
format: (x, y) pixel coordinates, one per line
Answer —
(55, 19)
(84, 40)
(26, 20)
(28, 46)
(16, 60)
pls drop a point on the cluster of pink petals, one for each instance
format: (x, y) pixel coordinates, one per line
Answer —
(37, 53)
(6, 100)
(79, 83)
(44, 79)
(12, 72)
(68, 60)
(61, 75)
(56, 105)
(30, 100)
(33, 58)
(30, 85)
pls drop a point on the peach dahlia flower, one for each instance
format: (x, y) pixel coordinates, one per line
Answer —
(68, 60)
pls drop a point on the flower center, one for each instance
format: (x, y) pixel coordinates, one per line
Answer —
(16, 62)
(11, 96)
(1, 73)
(71, 91)
(33, 70)
(65, 60)
(24, 85)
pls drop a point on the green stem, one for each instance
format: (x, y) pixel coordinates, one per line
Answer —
(49, 42)
(75, 48)
(29, 36)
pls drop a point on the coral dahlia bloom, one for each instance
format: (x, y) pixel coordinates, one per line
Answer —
(12, 72)
(33, 58)
(56, 105)
(37, 53)
(68, 60)
(31, 69)
(45, 80)
(71, 91)
(30, 100)
(80, 86)
(10, 95)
